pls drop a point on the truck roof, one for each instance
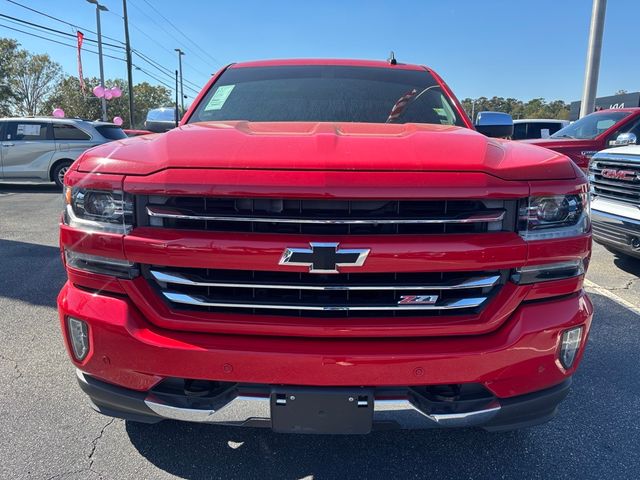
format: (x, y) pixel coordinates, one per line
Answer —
(327, 61)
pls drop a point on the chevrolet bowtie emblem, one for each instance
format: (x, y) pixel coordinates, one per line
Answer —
(324, 257)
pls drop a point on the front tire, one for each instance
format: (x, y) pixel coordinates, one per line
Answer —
(58, 173)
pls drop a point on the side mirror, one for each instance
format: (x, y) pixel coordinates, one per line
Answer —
(624, 139)
(494, 124)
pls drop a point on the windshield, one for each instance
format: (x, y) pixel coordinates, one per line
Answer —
(590, 126)
(327, 93)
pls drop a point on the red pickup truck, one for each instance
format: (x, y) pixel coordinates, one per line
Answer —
(597, 131)
(326, 246)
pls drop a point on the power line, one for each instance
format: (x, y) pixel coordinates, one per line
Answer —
(181, 33)
(162, 69)
(90, 51)
(77, 27)
(58, 42)
(59, 32)
(62, 34)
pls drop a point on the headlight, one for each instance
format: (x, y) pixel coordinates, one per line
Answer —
(98, 210)
(553, 216)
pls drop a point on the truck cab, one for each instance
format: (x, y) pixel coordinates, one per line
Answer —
(599, 130)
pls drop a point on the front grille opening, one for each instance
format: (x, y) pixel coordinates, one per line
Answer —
(625, 189)
(327, 217)
(311, 295)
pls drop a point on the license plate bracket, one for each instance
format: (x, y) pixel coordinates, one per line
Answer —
(322, 410)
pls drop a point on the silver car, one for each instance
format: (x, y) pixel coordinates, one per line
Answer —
(34, 148)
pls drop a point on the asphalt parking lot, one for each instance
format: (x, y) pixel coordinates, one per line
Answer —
(47, 430)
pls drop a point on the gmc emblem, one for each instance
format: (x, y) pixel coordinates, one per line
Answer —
(618, 174)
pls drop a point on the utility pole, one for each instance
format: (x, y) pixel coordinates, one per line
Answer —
(592, 69)
(129, 64)
(180, 54)
(98, 9)
(176, 111)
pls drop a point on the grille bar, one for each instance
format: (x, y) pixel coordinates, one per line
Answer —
(181, 279)
(185, 214)
(201, 301)
(327, 216)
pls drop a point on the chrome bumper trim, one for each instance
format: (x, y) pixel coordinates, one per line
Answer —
(244, 408)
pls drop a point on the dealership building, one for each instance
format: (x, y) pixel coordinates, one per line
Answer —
(624, 100)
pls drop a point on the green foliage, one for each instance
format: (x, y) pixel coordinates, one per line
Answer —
(534, 108)
(68, 95)
(32, 81)
(8, 54)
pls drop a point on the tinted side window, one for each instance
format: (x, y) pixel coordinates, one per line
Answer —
(536, 128)
(27, 131)
(111, 132)
(69, 132)
(519, 131)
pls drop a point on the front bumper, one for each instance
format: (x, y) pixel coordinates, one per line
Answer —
(251, 405)
(129, 356)
(620, 233)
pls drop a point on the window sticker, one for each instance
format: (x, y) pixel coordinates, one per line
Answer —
(219, 97)
(28, 129)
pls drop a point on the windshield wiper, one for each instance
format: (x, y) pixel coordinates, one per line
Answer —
(564, 135)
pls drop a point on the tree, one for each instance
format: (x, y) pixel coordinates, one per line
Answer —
(534, 108)
(33, 79)
(68, 95)
(8, 53)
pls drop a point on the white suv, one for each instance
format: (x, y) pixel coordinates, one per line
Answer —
(43, 148)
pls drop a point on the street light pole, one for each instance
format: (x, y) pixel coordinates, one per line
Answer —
(129, 63)
(180, 54)
(98, 9)
(592, 69)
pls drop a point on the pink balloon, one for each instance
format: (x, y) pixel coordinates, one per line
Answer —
(117, 120)
(58, 113)
(108, 95)
(116, 92)
(98, 91)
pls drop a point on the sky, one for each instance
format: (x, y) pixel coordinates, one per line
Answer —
(511, 48)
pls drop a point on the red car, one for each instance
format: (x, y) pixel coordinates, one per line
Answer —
(326, 246)
(592, 133)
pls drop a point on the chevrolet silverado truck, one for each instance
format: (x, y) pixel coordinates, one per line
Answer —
(614, 176)
(326, 246)
(597, 131)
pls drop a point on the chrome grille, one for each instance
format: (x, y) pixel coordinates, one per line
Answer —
(626, 189)
(331, 295)
(327, 217)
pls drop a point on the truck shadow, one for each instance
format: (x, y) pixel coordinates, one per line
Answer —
(30, 272)
(581, 439)
(628, 264)
(28, 188)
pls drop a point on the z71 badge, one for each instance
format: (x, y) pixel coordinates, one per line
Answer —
(418, 299)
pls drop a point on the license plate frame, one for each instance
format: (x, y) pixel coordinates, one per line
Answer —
(322, 410)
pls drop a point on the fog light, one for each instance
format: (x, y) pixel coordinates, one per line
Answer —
(79, 334)
(570, 345)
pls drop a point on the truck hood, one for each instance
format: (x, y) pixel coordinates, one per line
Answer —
(327, 146)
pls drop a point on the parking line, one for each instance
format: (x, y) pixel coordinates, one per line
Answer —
(612, 296)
